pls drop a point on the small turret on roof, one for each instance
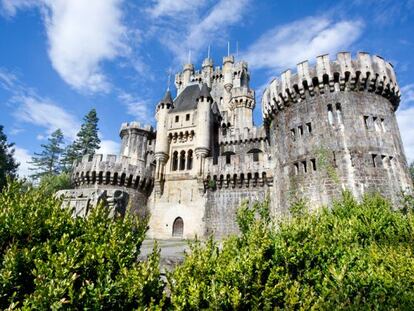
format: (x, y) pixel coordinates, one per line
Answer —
(167, 98)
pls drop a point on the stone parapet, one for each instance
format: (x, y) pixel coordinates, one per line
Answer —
(135, 126)
(239, 136)
(365, 73)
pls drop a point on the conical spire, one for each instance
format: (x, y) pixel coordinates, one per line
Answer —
(205, 92)
(167, 98)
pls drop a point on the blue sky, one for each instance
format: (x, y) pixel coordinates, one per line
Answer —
(60, 58)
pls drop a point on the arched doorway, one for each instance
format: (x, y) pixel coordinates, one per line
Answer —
(178, 227)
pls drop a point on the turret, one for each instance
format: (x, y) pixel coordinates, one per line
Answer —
(161, 144)
(228, 62)
(203, 125)
(207, 69)
(134, 138)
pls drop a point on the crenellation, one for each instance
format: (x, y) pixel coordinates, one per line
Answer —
(328, 126)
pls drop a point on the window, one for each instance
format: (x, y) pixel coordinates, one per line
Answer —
(375, 121)
(293, 133)
(300, 130)
(182, 160)
(175, 161)
(339, 112)
(309, 127)
(255, 157)
(189, 159)
(177, 118)
(366, 121)
(178, 227)
(187, 117)
(330, 115)
(305, 168)
(313, 164)
(383, 125)
(296, 168)
(374, 160)
(228, 158)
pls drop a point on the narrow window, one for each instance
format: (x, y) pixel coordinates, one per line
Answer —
(182, 160)
(300, 130)
(305, 169)
(383, 125)
(177, 118)
(293, 134)
(175, 161)
(296, 168)
(339, 112)
(313, 163)
(187, 117)
(366, 121)
(309, 127)
(375, 120)
(330, 115)
(374, 160)
(190, 159)
(228, 158)
(384, 161)
(255, 157)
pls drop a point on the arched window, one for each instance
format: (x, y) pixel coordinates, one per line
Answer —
(175, 161)
(182, 160)
(189, 159)
(178, 227)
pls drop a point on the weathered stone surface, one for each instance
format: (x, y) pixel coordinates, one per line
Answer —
(327, 127)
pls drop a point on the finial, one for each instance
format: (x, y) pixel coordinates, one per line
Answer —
(169, 79)
(228, 48)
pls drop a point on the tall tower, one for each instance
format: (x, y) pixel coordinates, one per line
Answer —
(204, 126)
(161, 145)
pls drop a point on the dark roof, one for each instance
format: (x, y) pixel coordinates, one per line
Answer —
(167, 98)
(205, 92)
(187, 100)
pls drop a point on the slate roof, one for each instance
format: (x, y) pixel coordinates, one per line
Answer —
(187, 100)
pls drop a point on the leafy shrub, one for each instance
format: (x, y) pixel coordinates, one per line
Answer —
(353, 256)
(48, 259)
(50, 183)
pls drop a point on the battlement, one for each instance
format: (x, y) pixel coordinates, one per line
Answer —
(239, 136)
(114, 170)
(364, 73)
(242, 171)
(136, 126)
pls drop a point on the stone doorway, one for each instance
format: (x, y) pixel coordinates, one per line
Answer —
(178, 227)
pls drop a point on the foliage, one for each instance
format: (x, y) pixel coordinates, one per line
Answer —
(86, 143)
(50, 184)
(352, 256)
(48, 162)
(51, 260)
(8, 165)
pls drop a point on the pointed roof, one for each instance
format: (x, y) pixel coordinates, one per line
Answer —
(167, 98)
(205, 92)
(187, 99)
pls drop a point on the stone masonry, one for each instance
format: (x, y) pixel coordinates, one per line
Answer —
(327, 127)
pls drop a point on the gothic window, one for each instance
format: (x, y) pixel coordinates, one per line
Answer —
(175, 161)
(190, 159)
(339, 112)
(178, 227)
(330, 115)
(182, 160)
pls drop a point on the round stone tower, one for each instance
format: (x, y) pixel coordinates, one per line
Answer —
(332, 126)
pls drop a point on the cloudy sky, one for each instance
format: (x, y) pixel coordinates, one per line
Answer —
(60, 58)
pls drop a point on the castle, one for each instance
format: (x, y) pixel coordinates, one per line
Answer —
(326, 127)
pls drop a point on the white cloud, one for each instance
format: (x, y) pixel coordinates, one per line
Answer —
(285, 46)
(197, 32)
(405, 119)
(82, 35)
(23, 157)
(137, 107)
(173, 7)
(45, 113)
(109, 147)
(407, 92)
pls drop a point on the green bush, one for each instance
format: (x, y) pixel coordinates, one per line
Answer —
(49, 259)
(50, 183)
(356, 256)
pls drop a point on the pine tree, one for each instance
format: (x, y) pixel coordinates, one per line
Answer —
(48, 162)
(88, 140)
(86, 143)
(8, 165)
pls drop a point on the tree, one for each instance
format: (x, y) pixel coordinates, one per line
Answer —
(8, 165)
(50, 184)
(86, 143)
(48, 162)
(50, 260)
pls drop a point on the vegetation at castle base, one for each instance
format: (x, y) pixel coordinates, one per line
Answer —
(8, 165)
(357, 256)
(49, 259)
